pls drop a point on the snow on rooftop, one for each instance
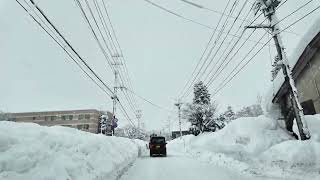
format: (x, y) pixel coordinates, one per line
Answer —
(304, 41)
(294, 57)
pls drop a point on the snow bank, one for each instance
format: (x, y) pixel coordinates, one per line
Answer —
(258, 146)
(30, 151)
(242, 138)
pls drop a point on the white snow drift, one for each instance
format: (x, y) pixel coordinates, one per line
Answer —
(257, 146)
(30, 151)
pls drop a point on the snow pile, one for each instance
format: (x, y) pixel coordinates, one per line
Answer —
(298, 158)
(30, 151)
(242, 138)
(257, 145)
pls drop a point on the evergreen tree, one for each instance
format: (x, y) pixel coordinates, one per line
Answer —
(201, 112)
(201, 94)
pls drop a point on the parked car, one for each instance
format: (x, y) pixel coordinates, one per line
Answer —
(157, 146)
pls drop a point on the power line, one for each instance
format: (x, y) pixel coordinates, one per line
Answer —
(108, 35)
(73, 50)
(222, 13)
(218, 73)
(187, 19)
(148, 101)
(126, 72)
(218, 37)
(205, 50)
(235, 45)
(188, 90)
(65, 41)
(176, 14)
(243, 66)
(226, 48)
(224, 39)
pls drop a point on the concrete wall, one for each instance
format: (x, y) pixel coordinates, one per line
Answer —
(308, 82)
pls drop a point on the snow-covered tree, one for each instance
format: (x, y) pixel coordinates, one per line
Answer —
(5, 116)
(131, 132)
(201, 111)
(250, 111)
(229, 114)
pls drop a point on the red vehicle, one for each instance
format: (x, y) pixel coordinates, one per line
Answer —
(157, 146)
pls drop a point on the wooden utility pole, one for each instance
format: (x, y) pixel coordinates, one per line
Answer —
(178, 104)
(268, 7)
(138, 116)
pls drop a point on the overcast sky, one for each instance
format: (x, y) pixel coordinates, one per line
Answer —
(160, 49)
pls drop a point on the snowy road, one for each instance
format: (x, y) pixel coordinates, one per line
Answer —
(176, 167)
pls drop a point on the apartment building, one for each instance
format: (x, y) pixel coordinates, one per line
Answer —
(85, 120)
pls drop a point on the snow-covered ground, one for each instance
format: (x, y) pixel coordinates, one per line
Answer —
(29, 151)
(257, 147)
(247, 148)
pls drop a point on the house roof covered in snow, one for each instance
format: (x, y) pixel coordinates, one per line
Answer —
(300, 57)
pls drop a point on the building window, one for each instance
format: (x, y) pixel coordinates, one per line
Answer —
(46, 118)
(86, 126)
(87, 116)
(70, 117)
(80, 126)
(52, 118)
(63, 117)
(81, 116)
(33, 118)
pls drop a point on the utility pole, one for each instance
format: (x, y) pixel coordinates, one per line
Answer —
(178, 104)
(268, 7)
(138, 116)
(116, 65)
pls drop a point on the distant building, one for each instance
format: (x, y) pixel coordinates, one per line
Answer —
(176, 134)
(305, 63)
(85, 120)
(175, 129)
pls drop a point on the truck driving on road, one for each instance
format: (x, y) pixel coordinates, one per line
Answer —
(157, 146)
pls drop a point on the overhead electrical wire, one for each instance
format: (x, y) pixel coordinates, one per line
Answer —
(148, 101)
(107, 32)
(218, 73)
(229, 43)
(126, 72)
(192, 80)
(217, 50)
(210, 81)
(66, 42)
(118, 50)
(244, 65)
(185, 95)
(198, 76)
(190, 20)
(221, 13)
